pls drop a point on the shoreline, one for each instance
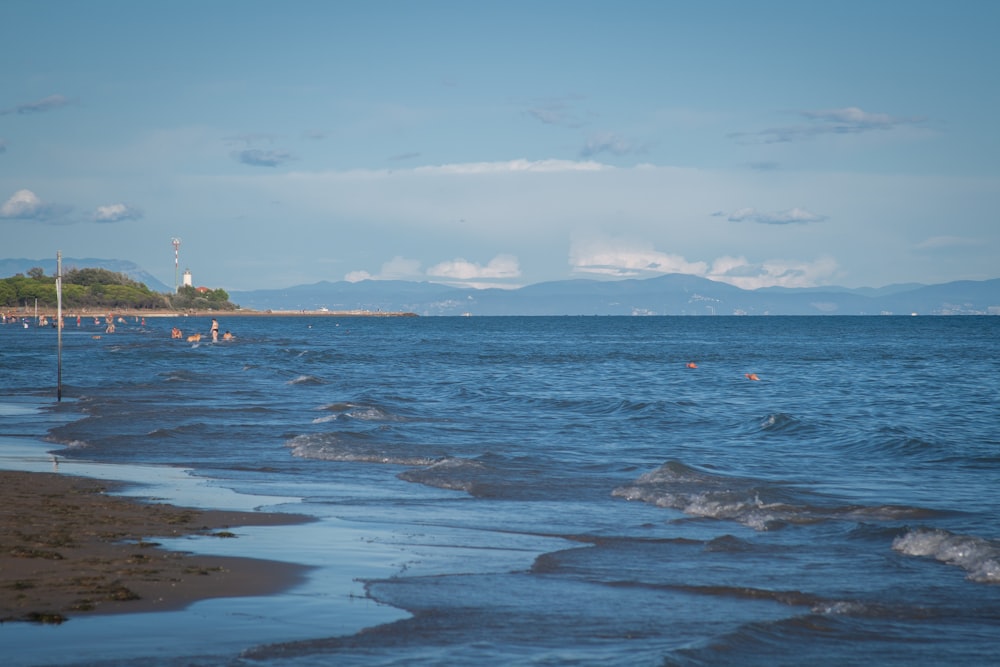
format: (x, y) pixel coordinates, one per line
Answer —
(67, 549)
(161, 313)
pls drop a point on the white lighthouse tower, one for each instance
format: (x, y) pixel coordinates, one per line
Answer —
(187, 278)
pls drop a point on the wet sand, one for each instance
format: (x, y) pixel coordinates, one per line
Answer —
(67, 548)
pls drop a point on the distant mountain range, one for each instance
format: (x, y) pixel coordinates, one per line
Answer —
(674, 294)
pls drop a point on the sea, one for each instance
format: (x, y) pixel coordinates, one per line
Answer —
(663, 491)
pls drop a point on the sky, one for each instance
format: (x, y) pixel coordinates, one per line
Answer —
(501, 144)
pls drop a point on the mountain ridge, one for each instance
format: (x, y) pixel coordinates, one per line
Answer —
(672, 294)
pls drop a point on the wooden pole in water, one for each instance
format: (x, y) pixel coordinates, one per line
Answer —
(59, 323)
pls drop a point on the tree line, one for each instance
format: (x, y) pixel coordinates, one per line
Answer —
(103, 289)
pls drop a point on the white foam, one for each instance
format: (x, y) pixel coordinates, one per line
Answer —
(977, 556)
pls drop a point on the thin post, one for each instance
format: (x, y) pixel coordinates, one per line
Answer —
(59, 323)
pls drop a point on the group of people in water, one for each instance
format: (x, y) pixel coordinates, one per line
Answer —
(108, 322)
(194, 338)
(44, 320)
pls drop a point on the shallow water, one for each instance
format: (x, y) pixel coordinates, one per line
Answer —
(567, 490)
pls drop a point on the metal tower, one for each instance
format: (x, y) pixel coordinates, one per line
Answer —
(177, 260)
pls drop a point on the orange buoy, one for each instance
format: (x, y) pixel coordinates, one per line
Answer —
(752, 376)
(691, 364)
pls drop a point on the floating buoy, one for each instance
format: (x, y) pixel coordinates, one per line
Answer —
(691, 364)
(751, 376)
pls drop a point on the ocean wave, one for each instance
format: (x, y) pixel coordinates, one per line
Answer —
(816, 604)
(180, 375)
(780, 422)
(185, 430)
(354, 448)
(677, 486)
(898, 441)
(68, 443)
(979, 557)
(791, 598)
(359, 412)
(754, 503)
(306, 380)
(456, 474)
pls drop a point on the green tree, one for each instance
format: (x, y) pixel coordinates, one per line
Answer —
(100, 288)
(8, 293)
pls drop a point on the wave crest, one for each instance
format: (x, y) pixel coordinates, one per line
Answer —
(354, 448)
(977, 556)
(759, 504)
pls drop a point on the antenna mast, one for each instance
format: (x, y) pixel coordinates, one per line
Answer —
(177, 260)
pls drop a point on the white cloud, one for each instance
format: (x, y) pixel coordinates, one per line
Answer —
(623, 259)
(357, 276)
(557, 111)
(116, 213)
(453, 272)
(791, 216)
(400, 268)
(257, 157)
(26, 205)
(608, 142)
(627, 259)
(39, 106)
(513, 166)
(23, 204)
(773, 272)
(846, 120)
(854, 117)
(500, 267)
(397, 268)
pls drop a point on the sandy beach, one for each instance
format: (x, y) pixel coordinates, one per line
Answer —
(67, 548)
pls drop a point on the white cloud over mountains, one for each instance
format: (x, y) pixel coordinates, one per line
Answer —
(621, 258)
(500, 267)
(495, 273)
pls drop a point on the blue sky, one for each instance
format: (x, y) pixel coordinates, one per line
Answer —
(504, 144)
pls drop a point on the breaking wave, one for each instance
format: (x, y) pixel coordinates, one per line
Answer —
(977, 556)
(754, 503)
(358, 412)
(355, 448)
(305, 380)
(455, 474)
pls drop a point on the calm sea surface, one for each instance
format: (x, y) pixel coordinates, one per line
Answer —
(567, 490)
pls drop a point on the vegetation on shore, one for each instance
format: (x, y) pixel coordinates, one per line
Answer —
(103, 289)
